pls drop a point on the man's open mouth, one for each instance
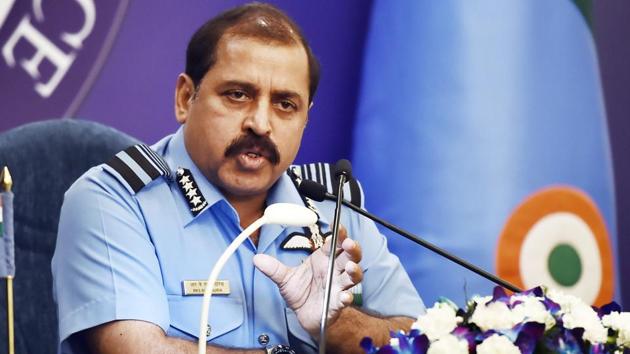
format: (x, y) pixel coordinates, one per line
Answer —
(254, 155)
(254, 147)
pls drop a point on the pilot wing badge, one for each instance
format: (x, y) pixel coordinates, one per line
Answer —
(313, 236)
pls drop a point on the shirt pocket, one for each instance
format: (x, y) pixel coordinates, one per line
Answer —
(226, 315)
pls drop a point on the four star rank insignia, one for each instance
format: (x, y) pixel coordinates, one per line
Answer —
(190, 190)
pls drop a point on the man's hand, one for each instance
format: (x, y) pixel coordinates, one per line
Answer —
(303, 287)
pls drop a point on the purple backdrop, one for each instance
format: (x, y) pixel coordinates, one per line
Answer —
(612, 30)
(119, 68)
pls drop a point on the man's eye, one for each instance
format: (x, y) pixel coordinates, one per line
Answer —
(287, 105)
(237, 95)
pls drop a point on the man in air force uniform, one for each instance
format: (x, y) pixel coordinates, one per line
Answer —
(139, 234)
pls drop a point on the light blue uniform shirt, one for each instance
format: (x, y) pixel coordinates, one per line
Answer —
(122, 256)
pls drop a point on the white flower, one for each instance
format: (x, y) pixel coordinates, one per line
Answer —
(531, 309)
(619, 322)
(481, 299)
(438, 321)
(494, 315)
(567, 302)
(448, 344)
(497, 344)
(585, 317)
(576, 314)
(394, 342)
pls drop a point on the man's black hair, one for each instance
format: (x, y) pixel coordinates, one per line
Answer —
(255, 20)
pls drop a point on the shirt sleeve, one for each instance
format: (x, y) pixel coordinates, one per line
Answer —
(104, 267)
(386, 287)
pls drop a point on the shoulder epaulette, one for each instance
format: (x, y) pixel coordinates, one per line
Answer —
(323, 173)
(138, 166)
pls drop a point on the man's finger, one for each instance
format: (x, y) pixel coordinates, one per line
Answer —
(271, 267)
(353, 249)
(346, 298)
(351, 276)
(351, 253)
(343, 235)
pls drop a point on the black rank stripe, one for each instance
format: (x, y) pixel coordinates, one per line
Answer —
(157, 160)
(318, 176)
(126, 173)
(303, 172)
(327, 178)
(324, 174)
(318, 171)
(355, 192)
(149, 154)
(143, 162)
(152, 159)
(334, 180)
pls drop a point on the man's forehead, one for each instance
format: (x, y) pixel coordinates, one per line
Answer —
(230, 39)
(247, 55)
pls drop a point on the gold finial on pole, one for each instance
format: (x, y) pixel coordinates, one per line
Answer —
(6, 180)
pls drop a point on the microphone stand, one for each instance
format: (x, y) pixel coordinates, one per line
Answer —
(331, 261)
(430, 246)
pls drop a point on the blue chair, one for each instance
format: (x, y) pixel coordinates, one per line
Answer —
(44, 159)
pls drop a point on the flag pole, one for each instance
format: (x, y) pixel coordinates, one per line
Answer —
(10, 313)
(7, 183)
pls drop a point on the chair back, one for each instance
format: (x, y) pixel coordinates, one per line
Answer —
(44, 159)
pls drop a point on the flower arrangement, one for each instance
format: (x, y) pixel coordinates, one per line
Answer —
(534, 321)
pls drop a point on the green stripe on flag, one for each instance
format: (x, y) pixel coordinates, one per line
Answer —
(586, 9)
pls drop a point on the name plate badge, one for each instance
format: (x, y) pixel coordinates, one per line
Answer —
(197, 287)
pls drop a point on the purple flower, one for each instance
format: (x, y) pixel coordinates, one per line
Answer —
(608, 308)
(498, 294)
(528, 335)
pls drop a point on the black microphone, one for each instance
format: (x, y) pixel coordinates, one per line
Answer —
(343, 167)
(317, 192)
(343, 172)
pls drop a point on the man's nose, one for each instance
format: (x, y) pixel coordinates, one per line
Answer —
(258, 119)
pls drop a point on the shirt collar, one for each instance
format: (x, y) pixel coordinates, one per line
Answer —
(177, 157)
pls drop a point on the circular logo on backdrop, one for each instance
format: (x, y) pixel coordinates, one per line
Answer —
(51, 53)
(557, 237)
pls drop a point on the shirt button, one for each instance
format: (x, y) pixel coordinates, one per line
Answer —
(263, 339)
(208, 331)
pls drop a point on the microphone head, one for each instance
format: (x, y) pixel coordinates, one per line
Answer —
(289, 214)
(313, 190)
(343, 167)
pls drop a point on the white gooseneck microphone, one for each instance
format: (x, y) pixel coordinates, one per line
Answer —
(280, 213)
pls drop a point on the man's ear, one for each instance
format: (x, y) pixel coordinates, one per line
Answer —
(184, 92)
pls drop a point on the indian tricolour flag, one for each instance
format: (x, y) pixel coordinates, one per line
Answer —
(7, 258)
(481, 127)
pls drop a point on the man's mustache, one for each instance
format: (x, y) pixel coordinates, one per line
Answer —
(256, 143)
